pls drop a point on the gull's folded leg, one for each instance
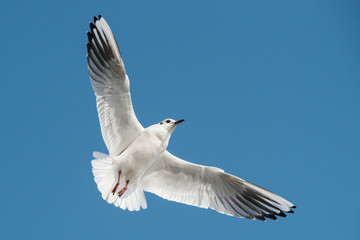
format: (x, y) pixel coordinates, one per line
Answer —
(117, 184)
(121, 192)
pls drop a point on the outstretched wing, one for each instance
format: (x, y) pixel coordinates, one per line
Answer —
(208, 187)
(119, 125)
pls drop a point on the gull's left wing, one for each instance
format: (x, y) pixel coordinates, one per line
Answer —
(207, 187)
(119, 125)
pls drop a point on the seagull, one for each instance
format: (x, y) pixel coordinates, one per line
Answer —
(138, 160)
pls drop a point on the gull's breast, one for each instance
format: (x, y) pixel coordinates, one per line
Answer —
(139, 157)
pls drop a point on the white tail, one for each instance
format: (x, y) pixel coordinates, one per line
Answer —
(106, 177)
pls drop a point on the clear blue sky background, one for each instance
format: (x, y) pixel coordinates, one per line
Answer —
(270, 91)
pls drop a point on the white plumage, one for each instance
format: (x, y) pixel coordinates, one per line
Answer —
(138, 159)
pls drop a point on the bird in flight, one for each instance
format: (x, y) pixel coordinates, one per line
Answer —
(138, 160)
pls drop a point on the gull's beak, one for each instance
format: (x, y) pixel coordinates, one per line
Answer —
(177, 122)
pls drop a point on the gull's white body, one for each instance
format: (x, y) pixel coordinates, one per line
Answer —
(140, 153)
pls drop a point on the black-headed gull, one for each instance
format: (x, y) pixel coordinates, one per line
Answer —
(138, 160)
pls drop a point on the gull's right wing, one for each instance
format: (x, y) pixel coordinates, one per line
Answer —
(119, 125)
(208, 187)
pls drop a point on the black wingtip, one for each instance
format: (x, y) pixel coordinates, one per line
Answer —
(290, 211)
(271, 216)
(92, 26)
(100, 16)
(89, 35)
(261, 217)
(293, 206)
(95, 19)
(281, 214)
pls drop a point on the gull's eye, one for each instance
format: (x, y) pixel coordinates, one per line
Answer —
(160, 123)
(167, 121)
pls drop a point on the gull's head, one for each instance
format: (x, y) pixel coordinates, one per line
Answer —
(163, 130)
(170, 124)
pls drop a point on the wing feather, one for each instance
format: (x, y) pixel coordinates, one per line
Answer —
(119, 125)
(208, 187)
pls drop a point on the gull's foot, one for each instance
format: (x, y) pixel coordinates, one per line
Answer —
(124, 189)
(116, 185)
(115, 188)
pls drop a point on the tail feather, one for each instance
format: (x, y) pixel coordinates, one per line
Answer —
(105, 178)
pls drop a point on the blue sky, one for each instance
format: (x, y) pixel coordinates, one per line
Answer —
(269, 91)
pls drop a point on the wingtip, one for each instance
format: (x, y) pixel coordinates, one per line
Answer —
(281, 214)
(261, 218)
(270, 216)
(290, 211)
(97, 18)
(92, 26)
(89, 35)
(293, 206)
